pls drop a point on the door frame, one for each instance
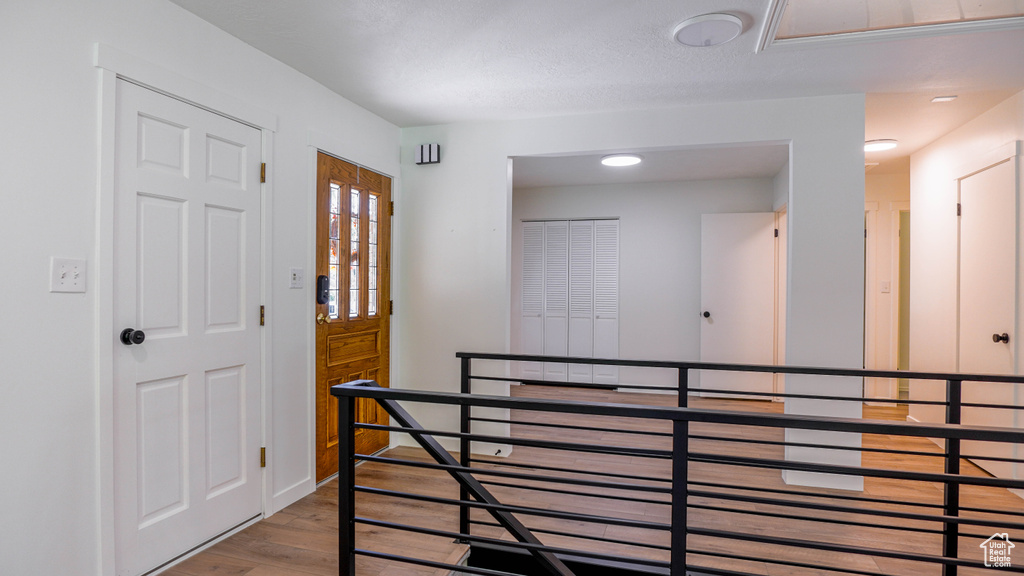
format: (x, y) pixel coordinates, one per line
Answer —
(318, 143)
(113, 64)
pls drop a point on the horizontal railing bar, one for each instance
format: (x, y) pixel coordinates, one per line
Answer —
(991, 458)
(834, 521)
(581, 536)
(808, 445)
(845, 548)
(506, 543)
(548, 444)
(856, 471)
(455, 568)
(517, 509)
(578, 493)
(988, 511)
(794, 563)
(777, 369)
(569, 427)
(991, 406)
(814, 495)
(569, 470)
(918, 429)
(847, 509)
(816, 396)
(552, 383)
(502, 473)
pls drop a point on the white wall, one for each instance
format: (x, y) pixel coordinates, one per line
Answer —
(459, 247)
(659, 257)
(933, 242)
(54, 395)
(885, 195)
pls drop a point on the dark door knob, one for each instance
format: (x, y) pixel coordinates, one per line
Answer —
(707, 314)
(130, 336)
(1004, 338)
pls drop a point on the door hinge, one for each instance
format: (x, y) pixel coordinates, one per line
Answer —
(959, 209)
(776, 232)
(391, 307)
(263, 172)
(263, 315)
(391, 208)
(263, 457)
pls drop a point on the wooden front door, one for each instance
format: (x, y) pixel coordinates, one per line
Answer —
(353, 252)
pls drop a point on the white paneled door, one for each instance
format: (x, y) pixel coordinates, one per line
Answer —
(187, 419)
(737, 291)
(988, 256)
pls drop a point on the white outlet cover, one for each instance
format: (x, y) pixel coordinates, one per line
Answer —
(296, 277)
(67, 275)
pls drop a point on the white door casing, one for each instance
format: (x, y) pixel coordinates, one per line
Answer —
(738, 294)
(187, 417)
(988, 260)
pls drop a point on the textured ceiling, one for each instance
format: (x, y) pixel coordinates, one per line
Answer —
(421, 62)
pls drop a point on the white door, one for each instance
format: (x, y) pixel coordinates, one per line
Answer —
(738, 299)
(187, 419)
(556, 298)
(531, 325)
(987, 287)
(581, 298)
(606, 299)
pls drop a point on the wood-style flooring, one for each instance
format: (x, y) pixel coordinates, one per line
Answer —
(302, 539)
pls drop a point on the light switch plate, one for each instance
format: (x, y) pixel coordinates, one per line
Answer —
(296, 277)
(67, 275)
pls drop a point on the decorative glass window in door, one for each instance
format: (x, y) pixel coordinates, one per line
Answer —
(334, 238)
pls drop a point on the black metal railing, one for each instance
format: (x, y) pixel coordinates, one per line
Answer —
(693, 485)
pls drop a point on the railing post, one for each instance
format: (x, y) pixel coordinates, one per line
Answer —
(680, 480)
(464, 427)
(346, 485)
(951, 504)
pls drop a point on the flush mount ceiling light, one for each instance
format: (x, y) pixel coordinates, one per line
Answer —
(943, 99)
(708, 30)
(621, 160)
(879, 145)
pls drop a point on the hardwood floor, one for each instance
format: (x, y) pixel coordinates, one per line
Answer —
(302, 539)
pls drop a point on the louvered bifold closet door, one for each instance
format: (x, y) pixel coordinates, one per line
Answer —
(531, 337)
(556, 298)
(581, 298)
(606, 298)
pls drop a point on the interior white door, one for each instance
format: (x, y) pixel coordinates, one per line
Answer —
(187, 418)
(581, 298)
(556, 298)
(738, 299)
(988, 228)
(531, 323)
(606, 299)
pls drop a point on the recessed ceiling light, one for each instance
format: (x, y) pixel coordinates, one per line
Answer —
(944, 98)
(621, 160)
(879, 145)
(708, 30)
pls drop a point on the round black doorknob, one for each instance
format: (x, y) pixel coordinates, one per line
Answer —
(707, 314)
(130, 336)
(1004, 338)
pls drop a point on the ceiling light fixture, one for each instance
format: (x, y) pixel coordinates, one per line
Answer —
(879, 145)
(621, 160)
(944, 98)
(708, 30)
